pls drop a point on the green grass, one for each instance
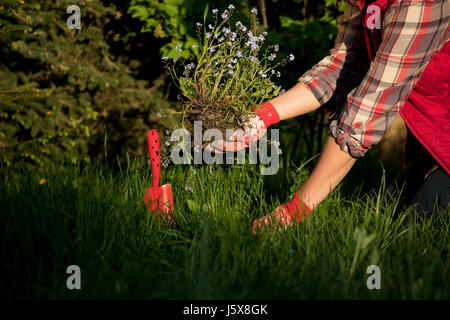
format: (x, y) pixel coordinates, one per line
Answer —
(94, 217)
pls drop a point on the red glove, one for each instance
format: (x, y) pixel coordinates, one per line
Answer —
(254, 129)
(268, 114)
(284, 215)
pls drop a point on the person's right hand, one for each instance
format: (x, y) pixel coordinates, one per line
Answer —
(253, 130)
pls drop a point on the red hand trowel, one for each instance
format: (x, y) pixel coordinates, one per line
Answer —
(159, 198)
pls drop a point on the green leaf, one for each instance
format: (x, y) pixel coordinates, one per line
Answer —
(170, 10)
(205, 14)
(277, 91)
(192, 205)
(35, 130)
(362, 238)
(140, 12)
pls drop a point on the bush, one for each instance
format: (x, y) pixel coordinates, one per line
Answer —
(60, 88)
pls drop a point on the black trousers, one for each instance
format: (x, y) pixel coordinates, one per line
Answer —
(426, 185)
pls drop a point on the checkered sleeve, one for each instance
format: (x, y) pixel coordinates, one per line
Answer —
(412, 33)
(331, 79)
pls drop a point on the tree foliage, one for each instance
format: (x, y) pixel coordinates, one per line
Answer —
(60, 88)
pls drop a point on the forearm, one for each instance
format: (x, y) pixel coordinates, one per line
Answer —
(296, 101)
(343, 63)
(332, 77)
(332, 167)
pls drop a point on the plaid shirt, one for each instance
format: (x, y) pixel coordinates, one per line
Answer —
(374, 91)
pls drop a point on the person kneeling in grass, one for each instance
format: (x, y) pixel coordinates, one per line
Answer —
(378, 73)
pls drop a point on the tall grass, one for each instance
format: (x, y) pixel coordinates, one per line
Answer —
(94, 217)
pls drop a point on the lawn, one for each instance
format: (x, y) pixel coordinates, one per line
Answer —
(93, 216)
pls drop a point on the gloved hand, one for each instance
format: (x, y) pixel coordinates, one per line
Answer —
(284, 216)
(255, 128)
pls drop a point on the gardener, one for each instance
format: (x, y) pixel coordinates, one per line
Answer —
(402, 67)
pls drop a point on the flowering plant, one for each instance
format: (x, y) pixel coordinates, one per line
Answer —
(231, 74)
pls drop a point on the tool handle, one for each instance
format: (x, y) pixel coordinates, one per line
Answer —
(154, 154)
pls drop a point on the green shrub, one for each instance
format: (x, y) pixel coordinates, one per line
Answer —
(60, 88)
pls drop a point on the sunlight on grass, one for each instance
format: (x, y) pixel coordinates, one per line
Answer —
(94, 217)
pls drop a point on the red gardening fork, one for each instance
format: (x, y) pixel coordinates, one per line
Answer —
(159, 198)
